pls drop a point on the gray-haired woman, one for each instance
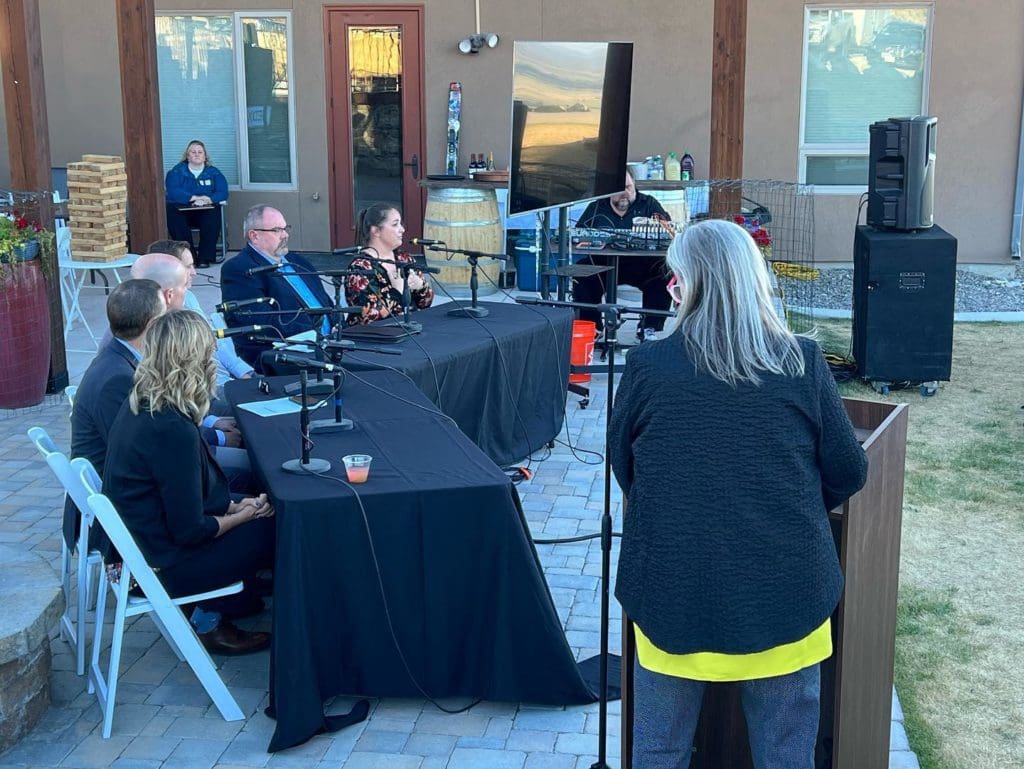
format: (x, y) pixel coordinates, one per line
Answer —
(731, 443)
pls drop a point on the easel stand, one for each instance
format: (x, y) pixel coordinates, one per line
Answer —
(611, 313)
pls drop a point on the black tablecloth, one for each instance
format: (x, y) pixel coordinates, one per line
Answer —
(465, 591)
(502, 379)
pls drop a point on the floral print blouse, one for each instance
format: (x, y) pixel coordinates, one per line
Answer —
(378, 297)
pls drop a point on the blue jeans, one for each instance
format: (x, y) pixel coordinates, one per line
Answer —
(782, 719)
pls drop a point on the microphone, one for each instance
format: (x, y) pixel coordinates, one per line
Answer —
(427, 242)
(224, 333)
(231, 306)
(303, 362)
(262, 268)
(347, 250)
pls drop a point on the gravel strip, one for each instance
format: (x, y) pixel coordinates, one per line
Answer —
(975, 292)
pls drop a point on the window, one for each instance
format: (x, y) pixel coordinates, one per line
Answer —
(861, 65)
(226, 80)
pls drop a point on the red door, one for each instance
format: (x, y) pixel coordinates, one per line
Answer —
(375, 114)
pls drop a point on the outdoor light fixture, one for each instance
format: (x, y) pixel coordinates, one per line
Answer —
(474, 43)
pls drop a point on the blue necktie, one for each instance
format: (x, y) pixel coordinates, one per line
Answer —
(306, 295)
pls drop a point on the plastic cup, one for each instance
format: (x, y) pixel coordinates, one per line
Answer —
(357, 467)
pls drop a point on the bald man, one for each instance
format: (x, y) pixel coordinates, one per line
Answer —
(221, 432)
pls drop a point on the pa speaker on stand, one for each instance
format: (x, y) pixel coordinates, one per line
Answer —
(901, 173)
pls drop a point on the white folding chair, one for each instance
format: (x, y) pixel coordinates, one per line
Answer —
(157, 603)
(72, 626)
(70, 392)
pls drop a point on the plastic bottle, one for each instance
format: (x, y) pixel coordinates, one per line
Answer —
(649, 165)
(657, 169)
(672, 168)
(686, 166)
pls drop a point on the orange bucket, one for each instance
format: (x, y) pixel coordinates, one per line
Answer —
(582, 352)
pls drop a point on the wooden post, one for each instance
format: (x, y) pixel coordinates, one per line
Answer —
(28, 147)
(728, 65)
(140, 99)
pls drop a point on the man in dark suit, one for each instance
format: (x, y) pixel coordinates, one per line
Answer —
(131, 307)
(285, 277)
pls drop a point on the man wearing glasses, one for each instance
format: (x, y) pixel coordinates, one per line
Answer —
(293, 285)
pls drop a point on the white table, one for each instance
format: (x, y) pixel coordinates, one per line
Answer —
(73, 276)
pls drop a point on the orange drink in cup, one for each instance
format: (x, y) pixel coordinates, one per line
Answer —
(357, 467)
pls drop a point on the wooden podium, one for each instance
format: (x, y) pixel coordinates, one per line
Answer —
(856, 682)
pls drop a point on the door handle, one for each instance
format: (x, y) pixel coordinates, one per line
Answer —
(415, 165)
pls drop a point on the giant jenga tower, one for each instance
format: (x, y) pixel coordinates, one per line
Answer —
(97, 208)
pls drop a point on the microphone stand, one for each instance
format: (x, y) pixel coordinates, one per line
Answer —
(305, 464)
(612, 312)
(473, 257)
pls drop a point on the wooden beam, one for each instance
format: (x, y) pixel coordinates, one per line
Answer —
(28, 147)
(728, 65)
(140, 100)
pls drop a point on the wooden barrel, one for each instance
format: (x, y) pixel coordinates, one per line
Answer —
(674, 203)
(464, 218)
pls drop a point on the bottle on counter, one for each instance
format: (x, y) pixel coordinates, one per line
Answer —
(472, 164)
(657, 169)
(649, 165)
(686, 166)
(672, 168)
(490, 161)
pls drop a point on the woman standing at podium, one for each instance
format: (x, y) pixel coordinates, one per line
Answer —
(731, 443)
(380, 232)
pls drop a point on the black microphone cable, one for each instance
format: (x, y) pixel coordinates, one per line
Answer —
(563, 377)
(384, 598)
(420, 406)
(507, 377)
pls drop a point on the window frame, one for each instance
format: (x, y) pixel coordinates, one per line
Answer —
(241, 108)
(845, 149)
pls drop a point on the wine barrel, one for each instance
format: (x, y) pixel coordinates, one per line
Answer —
(467, 218)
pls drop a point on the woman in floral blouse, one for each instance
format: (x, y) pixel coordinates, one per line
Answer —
(380, 233)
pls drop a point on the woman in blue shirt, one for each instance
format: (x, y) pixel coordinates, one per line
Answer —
(195, 191)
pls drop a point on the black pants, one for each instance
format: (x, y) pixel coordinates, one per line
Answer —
(207, 220)
(648, 273)
(237, 555)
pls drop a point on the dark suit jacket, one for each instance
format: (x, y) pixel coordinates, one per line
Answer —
(104, 387)
(236, 284)
(165, 483)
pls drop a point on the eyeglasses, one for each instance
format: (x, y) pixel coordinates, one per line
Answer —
(276, 230)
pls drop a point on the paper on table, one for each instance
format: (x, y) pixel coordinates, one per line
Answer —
(305, 336)
(274, 407)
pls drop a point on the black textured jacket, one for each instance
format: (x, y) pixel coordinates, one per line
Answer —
(726, 544)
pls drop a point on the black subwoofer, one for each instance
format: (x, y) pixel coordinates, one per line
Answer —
(903, 292)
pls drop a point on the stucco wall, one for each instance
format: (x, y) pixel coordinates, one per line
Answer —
(976, 85)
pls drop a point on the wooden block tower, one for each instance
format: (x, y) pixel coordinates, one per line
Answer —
(97, 208)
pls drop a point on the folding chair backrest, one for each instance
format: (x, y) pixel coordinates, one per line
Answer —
(69, 474)
(43, 442)
(134, 563)
(70, 392)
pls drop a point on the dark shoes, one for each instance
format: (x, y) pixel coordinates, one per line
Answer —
(229, 640)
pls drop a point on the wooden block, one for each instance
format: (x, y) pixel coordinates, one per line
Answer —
(81, 177)
(105, 207)
(102, 159)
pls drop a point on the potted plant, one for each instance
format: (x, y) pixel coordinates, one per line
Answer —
(24, 310)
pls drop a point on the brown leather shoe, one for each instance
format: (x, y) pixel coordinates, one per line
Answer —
(229, 640)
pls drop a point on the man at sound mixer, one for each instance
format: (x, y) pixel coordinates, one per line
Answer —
(644, 272)
(266, 269)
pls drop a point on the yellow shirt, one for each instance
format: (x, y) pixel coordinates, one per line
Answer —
(712, 666)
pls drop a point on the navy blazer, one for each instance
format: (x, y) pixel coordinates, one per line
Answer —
(104, 387)
(236, 285)
(165, 483)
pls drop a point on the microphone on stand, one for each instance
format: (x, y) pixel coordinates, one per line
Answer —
(262, 268)
(426, 242)
(347, 250)
(232, 306)
(224, 333)
(302, 362)
(305, 463)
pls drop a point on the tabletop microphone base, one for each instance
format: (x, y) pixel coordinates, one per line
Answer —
(314, 465)
(330, 426)
(412, 326)
(318, 389)
(469, 312)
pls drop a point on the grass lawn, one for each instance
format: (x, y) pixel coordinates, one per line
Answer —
(960, 630)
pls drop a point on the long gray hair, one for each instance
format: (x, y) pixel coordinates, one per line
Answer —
(726, 315)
